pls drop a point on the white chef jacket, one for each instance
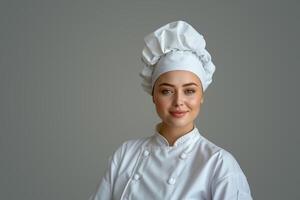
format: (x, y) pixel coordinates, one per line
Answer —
(193, 168)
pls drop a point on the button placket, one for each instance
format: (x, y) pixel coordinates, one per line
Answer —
(183, 156)
(146, 153)
(171, 181)
(173, 176)
(138, 172)
(182, 162)
(136, 175)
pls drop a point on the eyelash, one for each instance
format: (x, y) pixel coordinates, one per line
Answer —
(190, 91)
(166, 92)
(187, 91)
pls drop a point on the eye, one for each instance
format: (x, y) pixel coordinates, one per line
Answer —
(166, 92)
(189, 91)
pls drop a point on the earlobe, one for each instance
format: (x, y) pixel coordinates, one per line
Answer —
(202, 100)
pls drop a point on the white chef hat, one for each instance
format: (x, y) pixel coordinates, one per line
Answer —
(175, 46)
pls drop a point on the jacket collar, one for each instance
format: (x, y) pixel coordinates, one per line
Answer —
(186, 139)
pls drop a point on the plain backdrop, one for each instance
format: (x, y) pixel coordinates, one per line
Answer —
(70, 90)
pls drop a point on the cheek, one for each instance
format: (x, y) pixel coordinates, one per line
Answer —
(161, 104)
(195, 103)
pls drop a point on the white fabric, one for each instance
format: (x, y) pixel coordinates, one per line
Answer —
(178, 60)
(175, 37)
(194, 168)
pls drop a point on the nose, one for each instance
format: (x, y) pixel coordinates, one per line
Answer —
(178, 99)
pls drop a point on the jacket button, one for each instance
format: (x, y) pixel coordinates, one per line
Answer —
(171, 181)
(146, 153)
(183, 156)
(136, 177)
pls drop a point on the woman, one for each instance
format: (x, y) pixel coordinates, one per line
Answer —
(176, 162)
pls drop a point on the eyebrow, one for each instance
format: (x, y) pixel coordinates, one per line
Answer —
(184, 85)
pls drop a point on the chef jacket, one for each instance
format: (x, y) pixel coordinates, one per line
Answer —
(193, 168)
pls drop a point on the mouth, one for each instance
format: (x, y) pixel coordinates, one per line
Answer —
(178, 114)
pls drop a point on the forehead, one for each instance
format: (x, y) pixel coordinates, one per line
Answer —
(178, 77)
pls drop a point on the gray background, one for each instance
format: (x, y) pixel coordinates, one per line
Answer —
(70, 90)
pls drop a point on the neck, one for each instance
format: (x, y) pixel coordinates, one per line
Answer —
(172, 133)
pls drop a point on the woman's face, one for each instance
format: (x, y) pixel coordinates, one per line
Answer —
(177, 96)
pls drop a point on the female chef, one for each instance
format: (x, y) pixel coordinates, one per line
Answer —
(176, 162)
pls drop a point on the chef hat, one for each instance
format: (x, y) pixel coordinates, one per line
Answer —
(175, 46)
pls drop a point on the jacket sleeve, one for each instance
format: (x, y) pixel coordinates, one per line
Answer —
(115, 178)
(229, 182)
(104, 188)
(232, 187)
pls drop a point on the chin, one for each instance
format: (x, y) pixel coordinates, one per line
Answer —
(179, 123)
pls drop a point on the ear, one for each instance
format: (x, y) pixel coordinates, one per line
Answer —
(153, 100)
(152, 94)
(202, 100)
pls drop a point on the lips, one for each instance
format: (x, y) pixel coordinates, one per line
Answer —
(178, 114)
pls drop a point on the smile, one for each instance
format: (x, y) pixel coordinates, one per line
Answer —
(178, 114)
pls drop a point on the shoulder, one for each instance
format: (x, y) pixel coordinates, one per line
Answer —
(223, 162)
(227, 164)
(227, 175)
(134, 144)
(129, 149)
(227, 172)
(208, 147)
